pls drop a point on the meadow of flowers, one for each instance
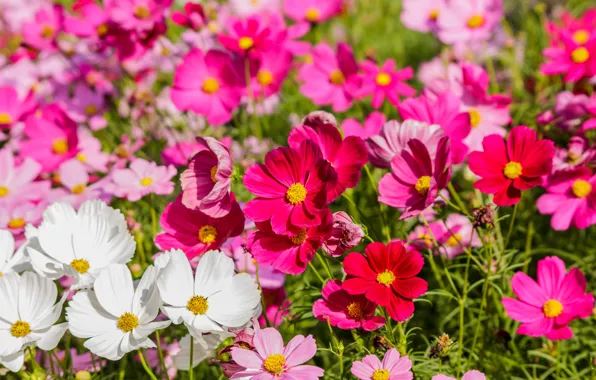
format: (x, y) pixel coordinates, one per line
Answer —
(297, 189)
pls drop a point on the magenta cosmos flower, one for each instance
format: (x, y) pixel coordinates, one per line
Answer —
(13, 109)
(208, 85)
(137, 15)
(268, 73)
(470, 375)
(422, 15)
(332, 78)
(52, 138)
(207, 181)
(393, 367)
(142, 178)
(385, 81)
(575, 60)
(41, 33)
(570, 199)
(270, 360)
(444, 111)
(291, 188)
(346, 311)
(371, 126)
(417, 178)
(346, 157)
(192, 17)
(289, 253)
(508, 169)
(194, 232)
(464, 21)
(17, 182)
(91, 21)
(547, 307)
(578, 153)
(312, 10)
(247, 36)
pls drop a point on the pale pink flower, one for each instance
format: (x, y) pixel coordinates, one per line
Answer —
(16, 215)
(422, 15)
(90, 153)
(470, 375)
(393, 367)
(142, 178)
(17, 182)
(463, 21)
(76, 185)
(314, 11)
(371, 126)
(41, 33)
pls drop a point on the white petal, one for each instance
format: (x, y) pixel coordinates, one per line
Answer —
(9, 296)
(59, 212)
(52, 337)
(203, 323)
(86, 317)
(177, 314)
(49, 316)
(175, 281)
(96, 207)
(143, 331)
(91, 240)
(200, 351)
(13, 362)
(146, 302)
(234, 305)
(114, 289)
(9, 344)
(6, 247)
(37, 295)
(42, 263)
(56, 240)
(213, 271)
(107, 345)
(121, 247)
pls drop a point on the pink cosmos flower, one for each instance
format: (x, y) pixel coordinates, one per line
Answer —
(168, 351)
(314, 11)
(193, 16)
(245, 8)
(345, 235)
(288, 36)
(13, 109)
(575, 60)
(126, 150)
(417, 177)
(346, 157)
(18, 182)
(346, 311)
(393, 367)
(206, 183)
(591, 108)
(208, 85)
(394, 138)
(289, 253)
(247, 36)
(578, 153)
(421, 15)
(52, 138)
(180, 153)
(142, 178)
(137, 15)
(332, 77)
(91, 21)
(41, 33)
(77, 187)
(385, 81)
(547, 307)
(444, 111)
(455, 234)
(508, 169)
(463, 21)
(85, 106)
(90, 153)
(16, 215)
(80, 362)
(372, 126)
(470, 375)
(268, 74)
(291, 188)
(194, 232)
(570, 199)
(271, 359)
(571, 109)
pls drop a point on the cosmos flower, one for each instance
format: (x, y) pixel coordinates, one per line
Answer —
(17, 182)
(393, 367)
(247, 36)
(12, 107)
(41, 33)
(385, 81)
(422, 15)
(465, 21)
(314, 11)
(470, 375)
(575, 60)
(10, 261)
(192, 17)
(345, 235)
(371, 126)
(142, 178)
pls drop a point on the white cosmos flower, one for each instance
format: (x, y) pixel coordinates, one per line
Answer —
(116, 317)
(28, 312)
(10, 261)
(79, 245)
(215, 300)
(199, 353)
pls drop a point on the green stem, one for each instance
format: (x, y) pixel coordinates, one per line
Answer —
(325, 265)
(484, 291)
(458, 200)
(316, 273)
(449, 202)
(122, 371)
(462, 305)
(162, 362)
(511, 225)
(147, 369)
(192, 354)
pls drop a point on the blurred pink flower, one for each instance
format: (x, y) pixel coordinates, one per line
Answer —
(90, 153)
(385, 81)
(314, 11)
(575, 60)
(77, 187)
(41, 33)
(18, 182)
(142, 178)
(247, 36)
(463, 21)
(578, 153)
(138, 15)
(277, 306)
(84, 106)
(470, 375)
(14, 216)
(422, 15)
(269, 277)
(13, 109)
(180, 153)
(372, 126)
(245, 8)
(268, 73)
(455, 234)
(192, 17)
(90, 21)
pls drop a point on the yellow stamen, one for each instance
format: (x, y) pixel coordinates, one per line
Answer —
(60, 146)
(91, 110)
(275, 364)
(79, 189)
(147, 181)
(3, 191)
(102, 30)
(81, 157)
(142, 12)
(16, 223)
(47, 32)
(434, 15)
(312, 14)
(128, 322)
(581, 188)
(299, 238)
(210, 86)
(383, 79)
(475, 21)
(20, 329)
(581, 36)
(552, 308)
(475, 117)
(207, 234)
(512, 170)
(381, 374)
(265, 77)
(355, 311)
(198, 305)
(80, 265)
(423, 185)
(337, 77)
(5, 118)
(386, 278)
(246, 43)
(213, 173)
(213, 27)
(453, 240)
(580, 55)
(296, 193)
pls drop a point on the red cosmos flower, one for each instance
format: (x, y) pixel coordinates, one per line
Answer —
(508, 169)
(386, 276)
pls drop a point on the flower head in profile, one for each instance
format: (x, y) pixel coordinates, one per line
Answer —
(271, 360)
(79, 244)
(194, 232)
(314, 11)
(371, 126)
(392, 367)
(417, 178)
(346, 311)
(470, 375)
(386, 276)
(578, 153)
(215, 299)
(508, 168)
(29, 313)
(385, 82)
(345, 235)
(192, 17)
(546, 307)
(142, 178)
(114, 317)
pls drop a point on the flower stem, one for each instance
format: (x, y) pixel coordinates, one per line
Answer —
(162, 362)
(458, 200)
(325, 265)
(316, 273)
(511, 225)
(192, 353)
(147, 369)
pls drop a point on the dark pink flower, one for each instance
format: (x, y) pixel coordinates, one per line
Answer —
(385, 81)
(247, 36)
(193, 16)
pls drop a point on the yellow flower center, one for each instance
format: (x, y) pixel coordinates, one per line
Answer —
(198, 305)
(453, 240)
(213, 173)
(210, 86)
(4, 191)
(47, 32)
(427, 239)
(581, 37)
(147, 181)
(552, 308)
(275, 364)
(475, 21)
(142, 12)
(20, 329)
(355, 311)
(128, 322)
(265, 77)
(5, 118)
(512, 170)
(383, 79)
(80, 265)
(83, 375)
(312, 14)
(434, 14)
(91, 110)
(380, 374)
(246, 43)
(386, 278)
(581, 188)
(81, 157)
(79, 189)
(207, 234)
(423, 185)
(475, 117)
(16, 223)
(296, 193)
(60, 146)
(102, 30)
(299, 238)
(337, 77)
(580, 55)
(213, 27)
(1, 274)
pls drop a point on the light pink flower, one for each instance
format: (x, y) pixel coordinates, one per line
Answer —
(393, 367)
(41, 33)
(470, 375)
(314, 11)
(137, 15)
(463, 21)
(245, 8)
(77, 187)
(578, 153)
(85, 106)
(16, 215)
(180, 153)
(90, 153)
(371, 126)
(422, 15)
(18, 182)
(142, 178)
(91, 21)
(385, 81)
